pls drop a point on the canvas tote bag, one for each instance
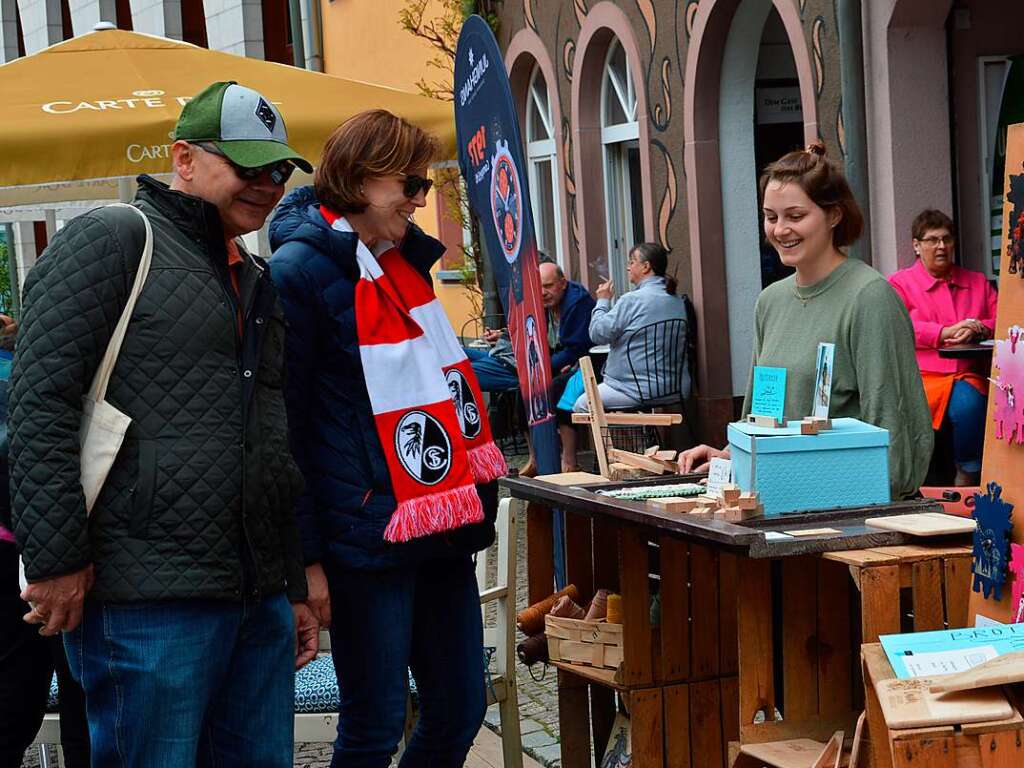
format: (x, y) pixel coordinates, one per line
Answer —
(104, 426)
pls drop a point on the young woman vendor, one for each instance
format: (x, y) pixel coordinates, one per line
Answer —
(810, 215)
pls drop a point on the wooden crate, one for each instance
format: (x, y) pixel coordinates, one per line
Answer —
(578, 641)
(997, 744)
(799, 635)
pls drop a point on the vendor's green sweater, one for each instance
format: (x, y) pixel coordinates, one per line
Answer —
(875, 377)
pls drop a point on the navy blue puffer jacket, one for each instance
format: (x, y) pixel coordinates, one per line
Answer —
(348, 499)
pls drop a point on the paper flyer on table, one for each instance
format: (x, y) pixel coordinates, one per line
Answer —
(922, 654)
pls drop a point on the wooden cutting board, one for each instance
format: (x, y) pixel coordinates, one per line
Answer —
(1008, 668)
(572, 478)
(923, 524)
(910, 704)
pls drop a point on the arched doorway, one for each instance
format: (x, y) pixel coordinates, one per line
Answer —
(724, 148)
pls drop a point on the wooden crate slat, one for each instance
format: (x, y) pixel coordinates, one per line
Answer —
(704, 632)
(799, 630)
(730, 711)
(573, 721)
(579, 565)
(927, 596)
(957, 590)
(911, 553)
(728, 579)
(1001, 750)
(860, 557)
(835, 672)
(706, 745)
(676, 699)
(540, 570)
(646, 729)
(880, 599)
(675, 609)
(757, 685)
(636, 607)
(929, 752)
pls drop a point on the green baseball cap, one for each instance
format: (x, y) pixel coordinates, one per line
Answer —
(243, 125)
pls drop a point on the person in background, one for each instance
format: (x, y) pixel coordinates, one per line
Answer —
(627, 383)
(386, 423)
(810, 216)
(182, 596)
(27, 659)
(949, 305)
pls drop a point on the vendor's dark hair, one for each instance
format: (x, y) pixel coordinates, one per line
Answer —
(657, 256)
(824, 183)
(930, 218)
(372, 143)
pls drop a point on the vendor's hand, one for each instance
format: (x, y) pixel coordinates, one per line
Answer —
(319, 599)
(698, 459)
(57, 603)
(491, 335)
(307, 635)
(605, 289)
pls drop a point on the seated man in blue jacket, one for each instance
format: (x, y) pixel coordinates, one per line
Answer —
(568, 306)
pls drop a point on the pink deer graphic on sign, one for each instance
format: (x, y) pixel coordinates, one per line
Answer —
(1009, 395)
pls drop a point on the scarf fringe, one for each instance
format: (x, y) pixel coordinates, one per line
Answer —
(487, 463)
(434, 513)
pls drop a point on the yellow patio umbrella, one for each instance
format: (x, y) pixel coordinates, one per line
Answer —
(102, 107)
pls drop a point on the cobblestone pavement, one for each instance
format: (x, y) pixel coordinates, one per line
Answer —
(538, 698)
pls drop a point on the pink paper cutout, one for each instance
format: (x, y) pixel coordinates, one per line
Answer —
(1017, 568)
(1008, 413)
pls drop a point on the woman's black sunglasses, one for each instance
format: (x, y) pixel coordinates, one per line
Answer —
(279, 172)
(414, 184)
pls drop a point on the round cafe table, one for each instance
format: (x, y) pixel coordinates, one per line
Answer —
(973, 351)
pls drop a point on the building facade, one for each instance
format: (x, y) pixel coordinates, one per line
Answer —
(650, 120)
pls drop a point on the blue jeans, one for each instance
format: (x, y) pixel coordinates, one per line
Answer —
(492, 375)
(966, 414)
(425, 618)
(184, 683)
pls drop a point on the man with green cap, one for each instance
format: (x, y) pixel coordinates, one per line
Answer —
(182, 591)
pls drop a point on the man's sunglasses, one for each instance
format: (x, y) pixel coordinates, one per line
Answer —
(413, 185)
(279, 172)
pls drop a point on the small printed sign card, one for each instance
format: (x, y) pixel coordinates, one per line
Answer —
(769, 393)
(719, 474)
(823, 379)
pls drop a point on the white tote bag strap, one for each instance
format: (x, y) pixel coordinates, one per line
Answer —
(98, 390)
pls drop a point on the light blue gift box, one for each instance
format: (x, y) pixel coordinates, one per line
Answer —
(846, 466)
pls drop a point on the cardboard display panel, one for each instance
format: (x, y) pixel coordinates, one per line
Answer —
(1003, 460)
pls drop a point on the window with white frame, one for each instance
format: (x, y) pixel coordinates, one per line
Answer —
(620, 135)
(542, 161)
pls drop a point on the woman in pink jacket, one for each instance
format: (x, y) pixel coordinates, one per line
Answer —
(949, 305)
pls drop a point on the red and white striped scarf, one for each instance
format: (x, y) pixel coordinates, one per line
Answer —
(425, 397)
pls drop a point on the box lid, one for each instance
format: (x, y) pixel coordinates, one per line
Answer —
(845, 433)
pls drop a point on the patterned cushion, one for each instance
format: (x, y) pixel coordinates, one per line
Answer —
(316, 687)
(51, 700)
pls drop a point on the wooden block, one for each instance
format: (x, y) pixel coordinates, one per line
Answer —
(673, 504)
(666, 455)
(764, 421)
(926, 524)
(748, 500)
(910, 704)
(638, 460)
(619, 471)
(1008, 668)
(731, 494)
(822, 422)
(808, 427)
(652, 450)
(738, 514)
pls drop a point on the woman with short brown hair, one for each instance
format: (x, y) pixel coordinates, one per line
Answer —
(387, 424)
(810, 215)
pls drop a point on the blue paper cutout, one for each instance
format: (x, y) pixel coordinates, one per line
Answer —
(991, 541)
(769, 392)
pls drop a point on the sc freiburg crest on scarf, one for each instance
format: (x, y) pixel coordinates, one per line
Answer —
(465, 404)
(506, 201)
(423, 447)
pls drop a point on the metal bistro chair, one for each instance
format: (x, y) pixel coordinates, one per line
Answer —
(659, 362)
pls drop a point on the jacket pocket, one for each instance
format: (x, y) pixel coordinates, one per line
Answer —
(145, 484)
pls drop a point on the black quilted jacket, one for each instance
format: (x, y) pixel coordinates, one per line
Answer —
(200, 501)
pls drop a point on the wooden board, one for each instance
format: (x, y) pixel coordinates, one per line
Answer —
(924, 524)
(814, 532)
(640, 461)
(790, 753)
(572, 478)
(910, 704)
(598, 425)
(1008, 668)
(633, 419)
